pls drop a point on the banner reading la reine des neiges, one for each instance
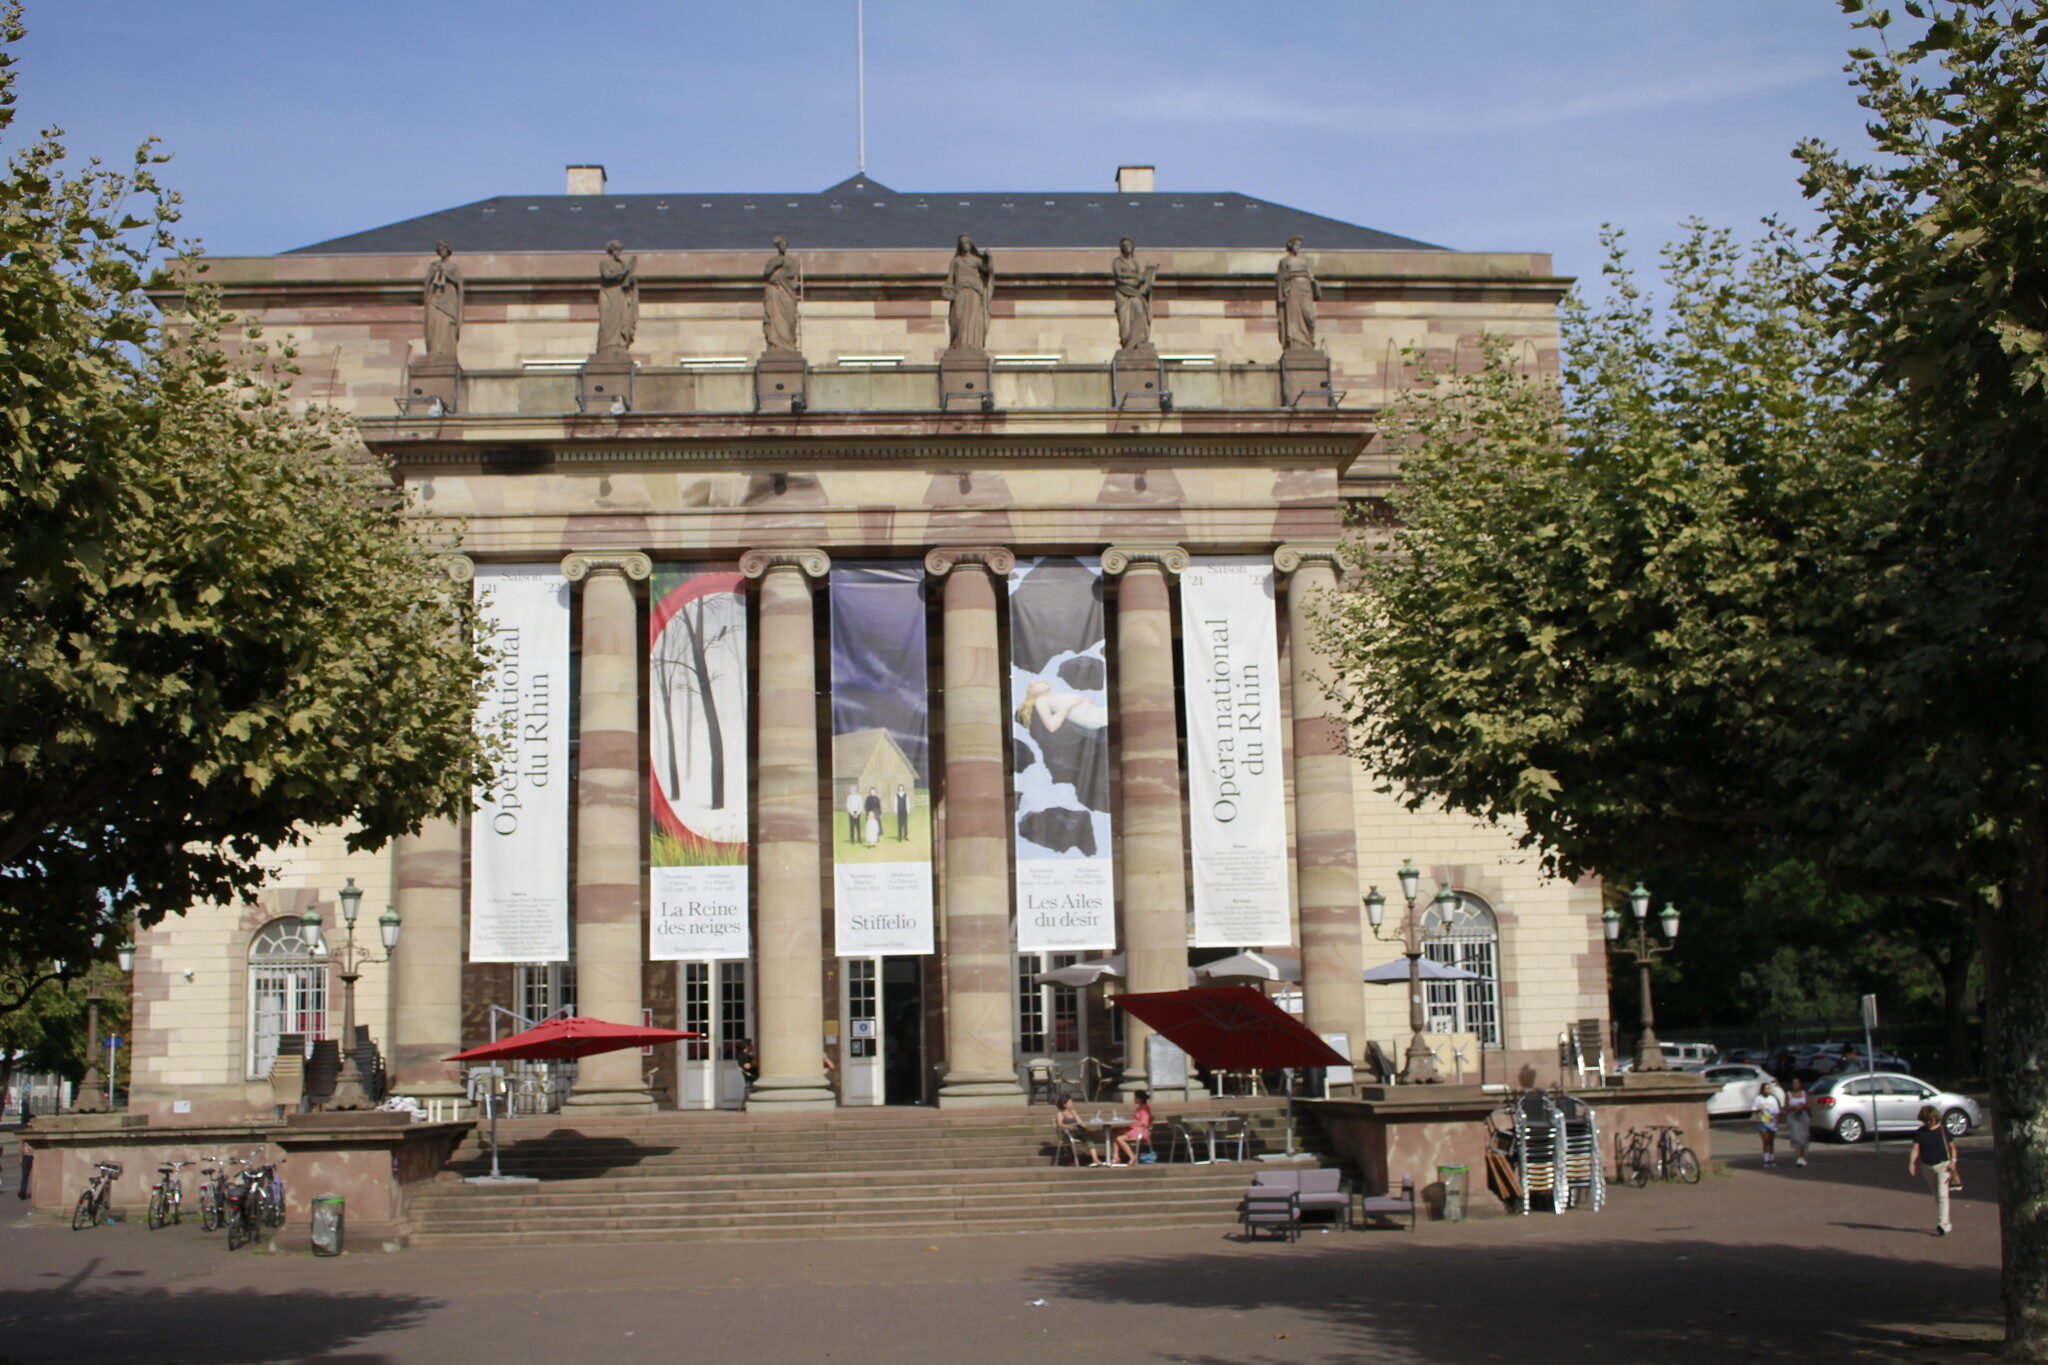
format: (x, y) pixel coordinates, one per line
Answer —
(697, 784)
(881, 761)
(1237, 823)
(519, 835)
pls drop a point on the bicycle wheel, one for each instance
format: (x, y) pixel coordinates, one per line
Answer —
(238, 1228)
(256, 1208)
(82, 1214)
(159, 1208)
(1638, 1172)
(209, 1218)
(1685, 1166)
(273, 1206)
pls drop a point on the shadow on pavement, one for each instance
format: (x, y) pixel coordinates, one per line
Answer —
(1668, 1301)
(72, 1322)
(564, 1154)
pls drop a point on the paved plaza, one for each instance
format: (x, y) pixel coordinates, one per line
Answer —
(1835, 1262)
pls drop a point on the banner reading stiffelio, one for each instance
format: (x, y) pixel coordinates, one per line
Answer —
(1059, 681)
(697, 766)
(519, 835)
(881, 763)
(1237, 819)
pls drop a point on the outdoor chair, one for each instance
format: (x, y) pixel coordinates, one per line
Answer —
(1072, 1145)
(1322, 1191)
(1391, 1205)
(1100, 1078)
(1042, 1075)
(1269, 1208)
(1233, 1128)
(1179, 1137)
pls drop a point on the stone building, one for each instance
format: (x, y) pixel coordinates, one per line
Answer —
(867, 430)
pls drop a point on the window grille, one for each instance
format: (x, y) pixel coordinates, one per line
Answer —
(287, 992)
(1470, 940)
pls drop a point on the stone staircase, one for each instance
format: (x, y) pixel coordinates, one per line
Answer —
(842, 1174)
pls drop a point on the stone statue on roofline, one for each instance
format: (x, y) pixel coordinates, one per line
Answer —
(970, 290)
(1133, 297)
(441, 292)
(779, 281)
(1295, 287)
(618, 300)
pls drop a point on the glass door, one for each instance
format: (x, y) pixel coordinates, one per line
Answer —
(715, 1001)
(861, 1080)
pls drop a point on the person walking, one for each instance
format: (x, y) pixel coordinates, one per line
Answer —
(1934, 1152)
(1798, 1120)
(1770, 1107)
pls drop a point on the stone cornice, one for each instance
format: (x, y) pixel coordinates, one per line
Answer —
(810, 563)
(582, 564)
(1119, 559)
(943, 560)
(1296, 554)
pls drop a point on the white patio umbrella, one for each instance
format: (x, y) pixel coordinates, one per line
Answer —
(1084, 973)
(1395, 973)
(1248, 967)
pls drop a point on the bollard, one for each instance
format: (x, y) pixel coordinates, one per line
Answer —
(328, 1211)
(1453, 1181)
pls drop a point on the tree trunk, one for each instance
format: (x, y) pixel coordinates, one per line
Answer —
(714, 738)
(2015, 943)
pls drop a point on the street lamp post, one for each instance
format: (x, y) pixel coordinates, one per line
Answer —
(95, 1092)
(1645, 950)
(1419, 1066)
(349, 1092)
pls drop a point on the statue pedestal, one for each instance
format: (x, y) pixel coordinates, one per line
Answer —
(431, 383)
(1137, 381)
(605, 385)
(964, 382)
(1305, 379)
(779, 378)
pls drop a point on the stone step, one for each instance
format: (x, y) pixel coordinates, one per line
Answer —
(449, 1201)
(768, 1213)
(1116, 1222)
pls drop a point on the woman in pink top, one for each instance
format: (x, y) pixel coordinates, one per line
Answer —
(1141, 1128)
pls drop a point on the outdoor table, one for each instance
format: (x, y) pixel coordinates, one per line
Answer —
(1107, 1126)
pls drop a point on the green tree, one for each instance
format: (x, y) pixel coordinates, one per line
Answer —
(217, 631)
(1764, 574)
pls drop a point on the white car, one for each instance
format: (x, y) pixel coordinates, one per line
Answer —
(1739, 1084)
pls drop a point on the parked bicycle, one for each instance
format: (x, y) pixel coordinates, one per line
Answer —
(213, 1193)
(255, 1200)
(1655, 1151)
(97, 1197)
(167, 1196)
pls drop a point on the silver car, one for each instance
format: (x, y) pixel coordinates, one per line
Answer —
(1850, 1106)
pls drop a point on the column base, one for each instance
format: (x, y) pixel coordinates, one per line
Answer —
(1193, 1090)
(979, 1090)
(599, 1103)
(792, 1094)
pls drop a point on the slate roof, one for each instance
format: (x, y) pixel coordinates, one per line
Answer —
(862, 214)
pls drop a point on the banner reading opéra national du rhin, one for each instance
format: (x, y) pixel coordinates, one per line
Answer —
(519, 835)
(1237, 822)
(697, 765)
(1059, 684)
(881, 761)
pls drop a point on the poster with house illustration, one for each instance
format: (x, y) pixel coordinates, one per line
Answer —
(881, 761)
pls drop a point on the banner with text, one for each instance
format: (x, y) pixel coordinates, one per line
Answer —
(697, 765)
(519, 835)
(881, 761)
(1237, 806)
(1059, 681)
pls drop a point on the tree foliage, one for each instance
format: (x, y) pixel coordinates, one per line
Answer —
(217, 632)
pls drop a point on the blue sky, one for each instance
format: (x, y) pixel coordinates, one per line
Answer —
(1478, 124)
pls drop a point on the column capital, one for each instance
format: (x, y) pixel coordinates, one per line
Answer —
(994, 558)
(459, 568)
(810, 563)
(1298, 554)
(1119, 559)
(582, 564)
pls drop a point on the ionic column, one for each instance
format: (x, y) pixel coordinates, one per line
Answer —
(979, 1068)
(426, 978)
(1150, 850)
(790, 994)
(1325, 833)
(608, 823)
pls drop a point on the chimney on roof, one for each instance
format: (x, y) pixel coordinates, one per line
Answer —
(586, 180)
(1134, 179)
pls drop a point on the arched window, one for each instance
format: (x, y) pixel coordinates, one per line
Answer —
(1470, 940)
(287, 991)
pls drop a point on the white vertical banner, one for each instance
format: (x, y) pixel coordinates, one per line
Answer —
(1237, 804)
(519, 835)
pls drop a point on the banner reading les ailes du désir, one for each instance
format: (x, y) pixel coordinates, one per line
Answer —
(519, 836)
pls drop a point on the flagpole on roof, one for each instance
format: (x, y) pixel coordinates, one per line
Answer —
(860, 79)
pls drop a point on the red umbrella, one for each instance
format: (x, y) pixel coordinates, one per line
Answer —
(564, 1040)
(1231, 1028)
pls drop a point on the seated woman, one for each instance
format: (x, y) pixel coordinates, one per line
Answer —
(1139, 1130)
(1077, 1131)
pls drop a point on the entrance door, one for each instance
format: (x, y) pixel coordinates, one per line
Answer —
(903, 1030)
(860, 1060)
(710, 1075)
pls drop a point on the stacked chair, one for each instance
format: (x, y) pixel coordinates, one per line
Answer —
(1583, 1178)
(1539, 1150)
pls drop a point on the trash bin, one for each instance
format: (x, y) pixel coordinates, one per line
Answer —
(1452, 1179)
(327, 1224)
